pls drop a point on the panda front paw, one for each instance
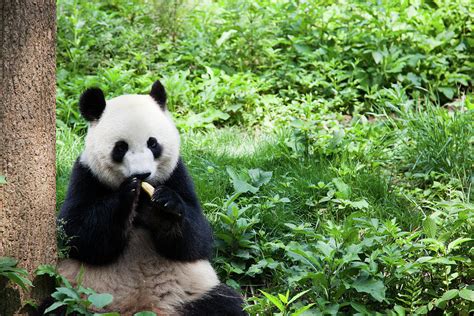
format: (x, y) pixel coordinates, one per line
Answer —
(168, 204)
(129, 190)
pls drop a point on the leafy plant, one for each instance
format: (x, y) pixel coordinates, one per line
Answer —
(18, 276)
(330, 144)
(248, 180)
(285, 303)
(76, 298)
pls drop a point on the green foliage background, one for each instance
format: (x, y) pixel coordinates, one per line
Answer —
(331, 142)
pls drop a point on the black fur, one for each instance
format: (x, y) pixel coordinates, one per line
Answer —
(92, 104)
(178, 228)
(96, 218)
(159, 94)
(119, 151)
(220, 301)
(155, 147)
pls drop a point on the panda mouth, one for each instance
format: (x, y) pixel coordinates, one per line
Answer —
(141, 176)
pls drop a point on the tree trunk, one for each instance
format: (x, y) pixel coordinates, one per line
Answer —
(27, 137)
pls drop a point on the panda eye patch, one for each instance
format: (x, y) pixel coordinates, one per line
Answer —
(152, 143)
(155, 148)
(119, 151)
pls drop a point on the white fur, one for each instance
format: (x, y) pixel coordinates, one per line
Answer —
(142, 280)
(133, 119)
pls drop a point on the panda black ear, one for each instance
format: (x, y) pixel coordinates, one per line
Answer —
(158, 93)
(92, 104)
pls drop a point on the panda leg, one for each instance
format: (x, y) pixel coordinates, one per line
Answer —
(220, 301)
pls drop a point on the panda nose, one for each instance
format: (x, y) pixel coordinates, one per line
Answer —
(141, 176)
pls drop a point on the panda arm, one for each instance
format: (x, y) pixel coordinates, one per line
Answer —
(188, 238)
(94, 218)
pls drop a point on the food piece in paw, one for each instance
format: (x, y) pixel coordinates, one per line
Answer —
(148, 188)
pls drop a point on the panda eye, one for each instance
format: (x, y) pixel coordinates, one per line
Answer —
(154, 147)
(119, 151)
(121, 146)
(152, 143)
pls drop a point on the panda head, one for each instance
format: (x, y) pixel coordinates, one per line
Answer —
(130, 135)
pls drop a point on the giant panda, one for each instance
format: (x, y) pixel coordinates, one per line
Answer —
(151, 254)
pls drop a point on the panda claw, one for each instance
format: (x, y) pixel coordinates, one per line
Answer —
(128, 189)
(167, 202)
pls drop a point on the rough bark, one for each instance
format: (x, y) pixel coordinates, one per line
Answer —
(27, 137)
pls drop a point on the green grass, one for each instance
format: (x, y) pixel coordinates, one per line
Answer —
(326, 193)
(442, 141)
(68, 147)
(351, 122)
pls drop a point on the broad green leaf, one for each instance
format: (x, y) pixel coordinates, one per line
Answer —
(274, 300)
(375, 288)
(400, 310)
(362, 204)
(259, 177)
(225, 218)
(243, 187)
(421, 310)
(447, 91)
(239, 181)
(3, 180)
(455, 243)
(54, 307)
(467, 294)
(232, 173)
(145, 314)
(429, 227)
(360, 308)
(283, 298)
(18, 279)
(7, 262)
(302, 310)
(68, 292)
(46, 269)
(100, 300)
(325, 249)
(302, 49)
(442, 260)
(416, 80)
(424, 259)
(343, 190)
(224, 37)
(297, 296)
(232, 283)
(448, 295)
(377, 56)
(242, 253)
